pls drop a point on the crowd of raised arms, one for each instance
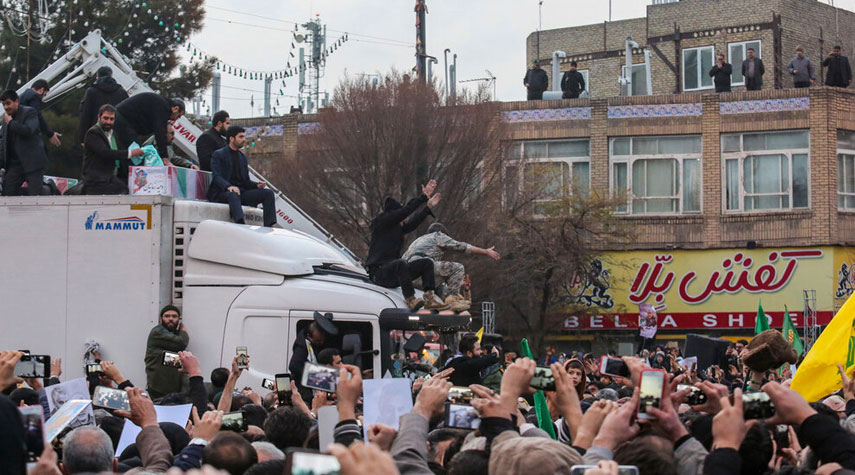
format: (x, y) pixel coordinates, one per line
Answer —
(477, 413)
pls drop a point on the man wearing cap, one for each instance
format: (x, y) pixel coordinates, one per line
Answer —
(168, 335)
(536, 81)
(309, 342)
(449, 275)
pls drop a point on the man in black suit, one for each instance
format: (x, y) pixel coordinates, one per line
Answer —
(102, 156)
(23, 149)
(231, 183)
(32, 97)
(212, 139)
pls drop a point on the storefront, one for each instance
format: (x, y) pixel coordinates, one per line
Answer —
(714, 292)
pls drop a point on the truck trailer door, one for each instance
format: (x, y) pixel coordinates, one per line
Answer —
(264, 333)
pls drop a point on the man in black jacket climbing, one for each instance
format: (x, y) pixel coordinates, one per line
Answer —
(468, 362)
(146, 114)
(384, 263)
(105, 90)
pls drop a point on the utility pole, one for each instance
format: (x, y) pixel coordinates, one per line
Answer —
(539, 25)
(421, 41)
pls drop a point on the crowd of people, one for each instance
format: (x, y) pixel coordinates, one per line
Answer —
(475, 413)
(838, 74)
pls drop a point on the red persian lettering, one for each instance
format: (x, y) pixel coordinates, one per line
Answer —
(650, 278)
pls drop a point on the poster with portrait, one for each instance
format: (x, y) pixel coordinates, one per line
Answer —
(59, 394)
(648, 321)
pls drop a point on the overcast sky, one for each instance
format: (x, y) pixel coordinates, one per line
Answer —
(485, 34)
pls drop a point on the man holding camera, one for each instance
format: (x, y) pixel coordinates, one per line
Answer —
(168, 335)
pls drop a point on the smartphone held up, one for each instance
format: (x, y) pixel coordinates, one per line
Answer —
(651, 391)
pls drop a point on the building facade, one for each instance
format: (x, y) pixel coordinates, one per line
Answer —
(684, 38)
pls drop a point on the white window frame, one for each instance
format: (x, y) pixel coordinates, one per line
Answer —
(585, 74)
(701, 71)
(741, 155)
(630, 159)
(744, 46)
(636, 65)
(845, 149)
(843, 194)
(521, 163)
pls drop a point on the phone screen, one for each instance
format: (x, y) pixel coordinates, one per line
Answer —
(614, 367)
(111, 398)
(324, 378)
(652, 384)
(171, 359)
(543, 379)
(268, 384)
(234, 421)
(308, 462)
(243, 357)
(93, 368)
(33, 419)
(461, 416)
(283, 383)
(33, 366)
(622, 469)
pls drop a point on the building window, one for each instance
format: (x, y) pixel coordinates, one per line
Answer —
(845, 170)
(660, 175)
(547, 171)
(697, 63)
(738, 54)
(587, 83)
(639, 78)
(766, 171)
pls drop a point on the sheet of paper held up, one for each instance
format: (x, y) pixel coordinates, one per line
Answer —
(385, 401)
(177, 414)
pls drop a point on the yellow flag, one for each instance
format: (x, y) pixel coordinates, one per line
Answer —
(818, 376)
(480, 334)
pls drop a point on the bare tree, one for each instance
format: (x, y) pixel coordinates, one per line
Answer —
(552, 265)
(387, 139)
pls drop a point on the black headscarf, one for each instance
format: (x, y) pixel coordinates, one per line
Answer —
(391, 204)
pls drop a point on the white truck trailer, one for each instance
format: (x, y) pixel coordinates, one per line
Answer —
(79, 268)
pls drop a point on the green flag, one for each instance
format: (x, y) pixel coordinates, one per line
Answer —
(790, 333)
(761, 323)
(544, 420)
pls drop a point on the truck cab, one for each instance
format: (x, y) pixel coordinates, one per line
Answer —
(258, 287)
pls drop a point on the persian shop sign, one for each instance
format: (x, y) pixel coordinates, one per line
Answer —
(706, 288)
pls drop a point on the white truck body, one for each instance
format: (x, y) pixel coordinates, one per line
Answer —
(80, 268)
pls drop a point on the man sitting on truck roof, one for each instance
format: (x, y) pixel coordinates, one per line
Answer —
(432, 245)
(384, 263)
(102, 156)
(168, 335)
(231, 184)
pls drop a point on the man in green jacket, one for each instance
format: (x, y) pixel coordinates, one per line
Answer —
(169, 335)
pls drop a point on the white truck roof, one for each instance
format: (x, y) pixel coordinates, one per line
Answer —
(277, 251)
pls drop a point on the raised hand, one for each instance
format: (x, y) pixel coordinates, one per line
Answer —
(429, 188)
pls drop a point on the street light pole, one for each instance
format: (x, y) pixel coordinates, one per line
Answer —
(539, 25)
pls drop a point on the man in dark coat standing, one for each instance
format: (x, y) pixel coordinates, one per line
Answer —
(535, 81)
(572, 83)
(32, 97)
(752, 71)
(308, 343)
(168, 335)
(231, 184)
(839, 72)
(146, 114)
(212, 139)
(384, 263)
(101, 156)
(105, 90)
(721, 74)
(24, 152)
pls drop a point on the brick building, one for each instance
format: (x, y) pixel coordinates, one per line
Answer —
(684, 37)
